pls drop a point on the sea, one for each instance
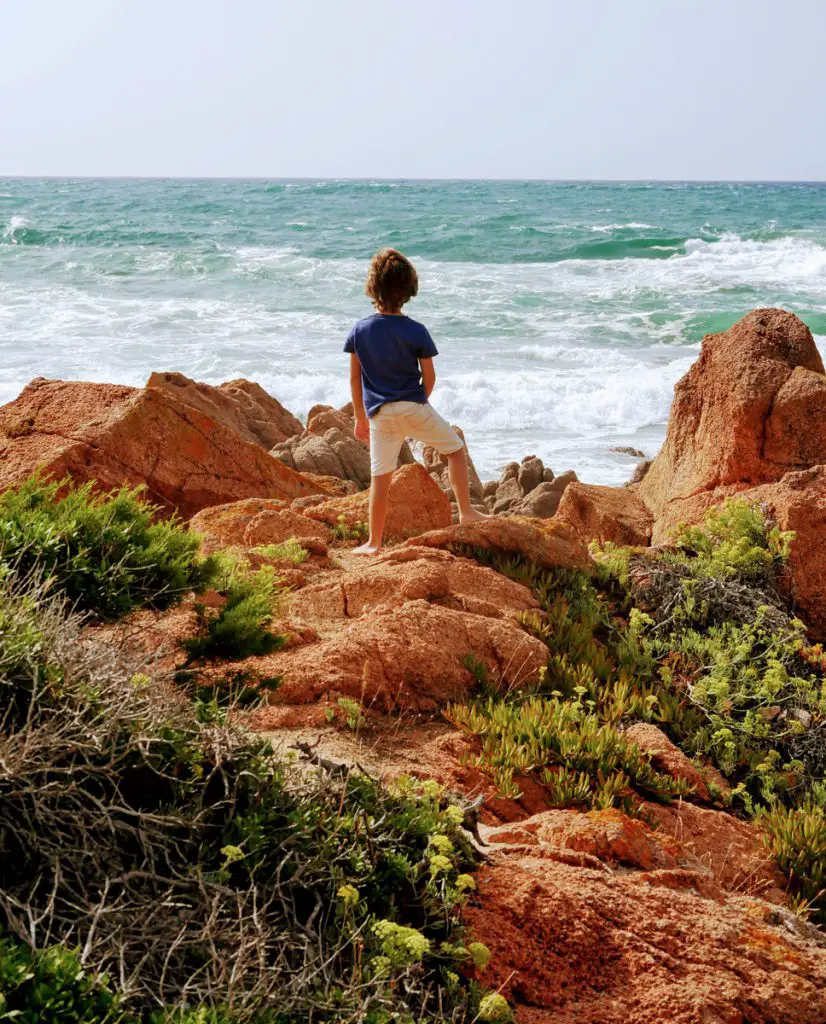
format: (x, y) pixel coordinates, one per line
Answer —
(564, 312)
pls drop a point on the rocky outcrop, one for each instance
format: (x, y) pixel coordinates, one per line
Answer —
(743, 414)
(185, 458)
(417, 504)
(366, 631)
(241, 405)
(670, 759)
(605, 514)
(748, 420)
(549, 544)
(333, 453)
(798, 503)
(595, 917)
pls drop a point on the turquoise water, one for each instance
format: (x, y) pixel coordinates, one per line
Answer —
(564, 312)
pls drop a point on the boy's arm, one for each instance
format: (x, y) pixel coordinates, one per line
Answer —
(362, 427)
(428, 375)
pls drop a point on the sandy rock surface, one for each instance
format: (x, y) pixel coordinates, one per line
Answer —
(596, 918)
(417, 504)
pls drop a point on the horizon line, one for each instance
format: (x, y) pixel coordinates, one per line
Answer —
(369, 178)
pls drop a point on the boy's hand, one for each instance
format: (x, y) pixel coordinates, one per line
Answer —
(362, 430)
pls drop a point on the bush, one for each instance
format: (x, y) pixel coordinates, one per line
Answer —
(796, 838)
(288, 551)
(195, 870)
(737, 539)
(106, 554)
(239, 628)
(561, 744)
(50, 986)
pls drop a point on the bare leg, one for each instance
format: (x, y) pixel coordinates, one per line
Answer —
(379, 500)
(457, 469)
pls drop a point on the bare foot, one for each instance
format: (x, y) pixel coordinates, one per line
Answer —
(367, 549)
(472, 516)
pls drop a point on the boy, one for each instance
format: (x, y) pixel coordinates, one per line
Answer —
(391, 379)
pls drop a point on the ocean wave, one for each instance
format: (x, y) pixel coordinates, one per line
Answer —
(631, 226)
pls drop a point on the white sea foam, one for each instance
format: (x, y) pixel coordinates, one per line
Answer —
(15, 224)
(632, 225)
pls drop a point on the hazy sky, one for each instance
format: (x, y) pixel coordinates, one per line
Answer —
(414, 88)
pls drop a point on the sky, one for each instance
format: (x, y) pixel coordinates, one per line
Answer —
(606, 89)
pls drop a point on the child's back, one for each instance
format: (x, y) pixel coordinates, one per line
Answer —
(389, 347)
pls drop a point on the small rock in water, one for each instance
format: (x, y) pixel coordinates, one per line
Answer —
(627, 450)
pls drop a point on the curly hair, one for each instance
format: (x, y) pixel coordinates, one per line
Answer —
(391, 280)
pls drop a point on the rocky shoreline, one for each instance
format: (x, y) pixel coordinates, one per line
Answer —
(675, 913)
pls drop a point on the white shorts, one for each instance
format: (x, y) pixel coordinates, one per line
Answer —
(396, 421)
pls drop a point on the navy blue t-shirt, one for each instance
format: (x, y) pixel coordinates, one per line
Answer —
(389, 349)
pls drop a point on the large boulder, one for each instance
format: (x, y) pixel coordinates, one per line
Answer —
(749, 421)
(605, 514)
(241, 405)
(744, 413)
(186, 459)
(417, 504)
(547, 543)
(406, 658)
(797, 502)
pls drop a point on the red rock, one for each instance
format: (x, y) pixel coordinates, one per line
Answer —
(546, 542)
(417, 503)
(796, 428)
(388, 659)
(649, 942)
(731, 848)
(726, 427)
(413, 574)
(605, 514)
(666, 756)
(798, 503)
(117, 435)
(241, 405)
(609, 836)
(253, 522)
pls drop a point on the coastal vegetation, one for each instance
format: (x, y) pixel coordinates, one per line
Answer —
(696, 639)
(159, 864)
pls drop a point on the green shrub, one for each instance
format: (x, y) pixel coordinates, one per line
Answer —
(737, 539)
(239, 628)
(796, 838)
(106, 554)
(561, 744)
(49, 986)
(344, 531)
(289, 551)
